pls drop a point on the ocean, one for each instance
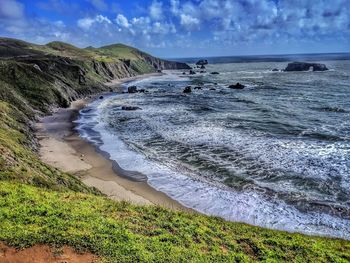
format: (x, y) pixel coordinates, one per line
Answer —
(275, 154)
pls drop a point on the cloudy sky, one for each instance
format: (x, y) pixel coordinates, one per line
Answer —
(184, 28)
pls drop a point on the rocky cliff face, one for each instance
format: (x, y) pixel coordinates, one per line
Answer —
(35, 78)
(163, 64)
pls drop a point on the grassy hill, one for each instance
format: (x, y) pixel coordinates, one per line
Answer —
(40, 204)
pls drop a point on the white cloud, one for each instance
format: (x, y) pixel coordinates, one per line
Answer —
(86, 23)
(156, 10)
(163, 28)
(122, 21)
(189, 23)
(11, 9)
(175, 6)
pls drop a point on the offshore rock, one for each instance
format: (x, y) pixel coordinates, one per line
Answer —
(304, 66)
(236, 86)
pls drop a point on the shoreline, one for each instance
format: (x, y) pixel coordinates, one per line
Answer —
(62, 147)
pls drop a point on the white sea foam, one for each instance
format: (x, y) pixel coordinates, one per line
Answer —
(246, 206)
(251, 152)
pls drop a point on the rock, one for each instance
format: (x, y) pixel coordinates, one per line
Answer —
(202, 62)
(202, 71)
(141, 91)
(275, 69)
(37, 67)
(192, 72)
(183, 73)
(236, 86)
(187, 89)
(198, 87)
(202, 67)
(132, 89)
(130, 108)
(304, 66)
(214, 73)
(212, 89)
(101, 97)
(159, 71)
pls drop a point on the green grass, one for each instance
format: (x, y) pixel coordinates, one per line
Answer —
(121, 232)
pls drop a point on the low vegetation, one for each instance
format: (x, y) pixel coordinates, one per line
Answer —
(121, 232)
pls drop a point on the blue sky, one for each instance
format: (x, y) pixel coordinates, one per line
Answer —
(185, 28)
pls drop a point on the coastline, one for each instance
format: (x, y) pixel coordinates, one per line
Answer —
(62, 147)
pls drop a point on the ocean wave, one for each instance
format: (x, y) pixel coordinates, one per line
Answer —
(262, 156)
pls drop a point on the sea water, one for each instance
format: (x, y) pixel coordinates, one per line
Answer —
(275, 154)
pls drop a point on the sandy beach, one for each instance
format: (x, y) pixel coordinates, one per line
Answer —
(61, 147)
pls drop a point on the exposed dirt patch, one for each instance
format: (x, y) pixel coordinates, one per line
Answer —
(44, 254)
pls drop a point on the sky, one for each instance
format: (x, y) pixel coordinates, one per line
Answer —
(184, 28)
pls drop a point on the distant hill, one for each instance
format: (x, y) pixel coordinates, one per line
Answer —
(42, 76)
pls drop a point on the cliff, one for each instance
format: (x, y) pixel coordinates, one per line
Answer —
(39, 77)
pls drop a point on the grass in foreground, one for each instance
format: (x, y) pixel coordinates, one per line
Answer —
(121, 232)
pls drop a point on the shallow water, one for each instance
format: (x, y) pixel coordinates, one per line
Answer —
(275, 154)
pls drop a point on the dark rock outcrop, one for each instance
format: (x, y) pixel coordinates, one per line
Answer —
(202, 67)
(130, 108)
(202, 62)
(214, 73)
(198, 87)
(275, 69)
(187, 89)
(236, 86)
(192, 72)
(132, 89)
(304, 66)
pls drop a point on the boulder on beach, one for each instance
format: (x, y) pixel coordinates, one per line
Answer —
(198, 87)
(202, 71)
(132, 89)
(275, 69)
(202, 67)
(304, 66)
(183, 73)
(212, 89)
(202, 62)
(101, 97)
(187, 89)
(130, 108)
(236, 86)
(215, 73)
(192, 72)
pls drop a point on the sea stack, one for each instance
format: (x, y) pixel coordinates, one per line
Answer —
(304, 66)
(202, 62)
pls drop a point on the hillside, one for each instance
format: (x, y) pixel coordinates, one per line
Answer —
(66, 72)
(40, 204)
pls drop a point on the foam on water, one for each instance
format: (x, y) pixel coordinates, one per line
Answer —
(323, 167)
